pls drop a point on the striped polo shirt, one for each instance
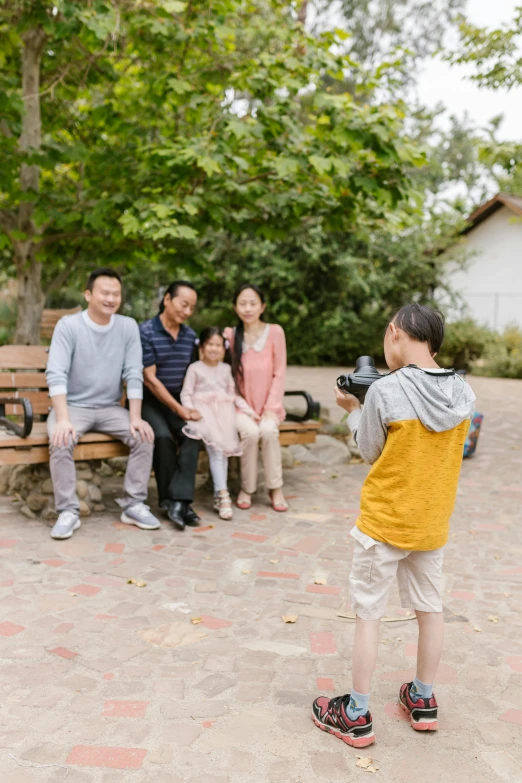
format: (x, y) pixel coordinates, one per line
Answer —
(171, 357)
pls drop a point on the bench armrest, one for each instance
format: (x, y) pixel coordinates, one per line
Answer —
(22, 431)
(312, 407)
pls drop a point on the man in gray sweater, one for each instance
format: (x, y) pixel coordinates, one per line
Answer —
(91, 354)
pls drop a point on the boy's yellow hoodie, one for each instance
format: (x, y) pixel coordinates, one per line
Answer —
(412, 430)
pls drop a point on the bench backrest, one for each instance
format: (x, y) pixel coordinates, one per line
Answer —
(51, 317)
(22, 375)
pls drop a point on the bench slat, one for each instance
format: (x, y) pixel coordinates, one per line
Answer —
(84, 451)
(23, 357)
(22, 380)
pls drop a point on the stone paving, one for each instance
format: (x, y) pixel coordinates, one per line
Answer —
(109, 682)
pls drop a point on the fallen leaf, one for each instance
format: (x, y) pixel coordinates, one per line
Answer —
(289, 618)
(137, 582)
(73, 593)
(334, 475)
(320, 581)
(366, 763)
(196, 620)
(274, 561)
(498, 557)
(507, 594)
(246, 571)
(477, 629)
(492, 618)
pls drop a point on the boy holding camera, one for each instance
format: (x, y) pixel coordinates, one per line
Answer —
(412, 431)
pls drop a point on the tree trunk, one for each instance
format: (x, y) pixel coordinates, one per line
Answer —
(302, 12)
(30, 304)
(29, 270)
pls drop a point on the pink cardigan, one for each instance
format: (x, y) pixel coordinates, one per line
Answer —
(264, 373)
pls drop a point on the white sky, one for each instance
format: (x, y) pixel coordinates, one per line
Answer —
(440, 82)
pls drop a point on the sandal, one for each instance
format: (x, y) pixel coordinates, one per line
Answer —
(244, 505)
(223, 505)
(282, 507)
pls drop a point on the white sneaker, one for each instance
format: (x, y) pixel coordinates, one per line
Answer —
(139, 514)
(65, 525)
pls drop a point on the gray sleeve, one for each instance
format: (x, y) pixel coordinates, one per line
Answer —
(369, 425)
(60, 357)
(133, 362)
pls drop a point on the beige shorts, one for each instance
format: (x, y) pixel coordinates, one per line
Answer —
(374, 567)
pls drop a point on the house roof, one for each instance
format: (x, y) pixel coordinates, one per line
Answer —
(489, 207)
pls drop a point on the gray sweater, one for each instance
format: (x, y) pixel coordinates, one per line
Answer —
(89, 363)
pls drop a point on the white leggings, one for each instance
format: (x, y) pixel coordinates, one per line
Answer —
(218, 468)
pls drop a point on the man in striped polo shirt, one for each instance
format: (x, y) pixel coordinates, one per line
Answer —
(167, 351)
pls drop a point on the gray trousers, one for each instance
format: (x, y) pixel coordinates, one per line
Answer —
(112, 421)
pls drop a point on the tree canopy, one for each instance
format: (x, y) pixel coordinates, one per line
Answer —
(135, 130)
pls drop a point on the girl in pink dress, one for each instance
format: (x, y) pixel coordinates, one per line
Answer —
(209, 389)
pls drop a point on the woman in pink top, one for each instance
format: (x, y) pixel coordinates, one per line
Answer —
(259, 367)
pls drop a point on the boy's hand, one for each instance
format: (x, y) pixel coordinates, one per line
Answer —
(345, 401)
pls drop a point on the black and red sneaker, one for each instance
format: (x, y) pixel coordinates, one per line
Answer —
(330, 715)
(423, 712)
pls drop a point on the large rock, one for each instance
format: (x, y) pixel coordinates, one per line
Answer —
(119, 464)
(47, 487)
(354, 448)
(302, 454)
(287, 457)
(36, 501)
(82, 490)
(95, 493)
(26, 511)
(105, 471)
(5, 477)
(85, 511)
(85, 474)
(21, 479)
(330, 451)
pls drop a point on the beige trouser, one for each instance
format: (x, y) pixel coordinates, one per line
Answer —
(250, 433)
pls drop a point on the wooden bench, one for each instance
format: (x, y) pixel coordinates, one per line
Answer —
(51, 317)
(24, 392)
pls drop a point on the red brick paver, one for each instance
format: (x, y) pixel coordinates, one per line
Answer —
(113, 758)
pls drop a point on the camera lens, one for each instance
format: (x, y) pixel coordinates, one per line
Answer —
(364, 361)
(343, 383)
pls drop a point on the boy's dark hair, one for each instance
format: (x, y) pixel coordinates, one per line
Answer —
(421, 323)
(103, 271)
(204, 337)
(172, 291)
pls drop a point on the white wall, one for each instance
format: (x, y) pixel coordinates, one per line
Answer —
(491, 283)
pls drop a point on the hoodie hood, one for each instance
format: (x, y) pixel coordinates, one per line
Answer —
(441, 401)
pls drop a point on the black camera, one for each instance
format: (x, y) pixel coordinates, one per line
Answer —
(359, 381)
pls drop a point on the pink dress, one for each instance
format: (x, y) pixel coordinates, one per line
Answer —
(211, 391)
(264, 371)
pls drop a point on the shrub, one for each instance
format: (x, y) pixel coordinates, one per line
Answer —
(503, 356)
(464, 342)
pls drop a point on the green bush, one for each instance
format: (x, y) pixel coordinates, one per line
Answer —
(464, 342)
(503, 356)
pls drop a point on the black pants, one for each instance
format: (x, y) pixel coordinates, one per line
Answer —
(175, 458)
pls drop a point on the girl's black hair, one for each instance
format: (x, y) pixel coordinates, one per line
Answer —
(172, 291)
(237, 353)
(204, 337)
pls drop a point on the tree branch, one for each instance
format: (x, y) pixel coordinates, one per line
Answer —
(50, 240)
(62, 277)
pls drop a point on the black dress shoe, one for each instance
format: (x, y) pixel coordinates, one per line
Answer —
(175, 510)
(190, 516)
